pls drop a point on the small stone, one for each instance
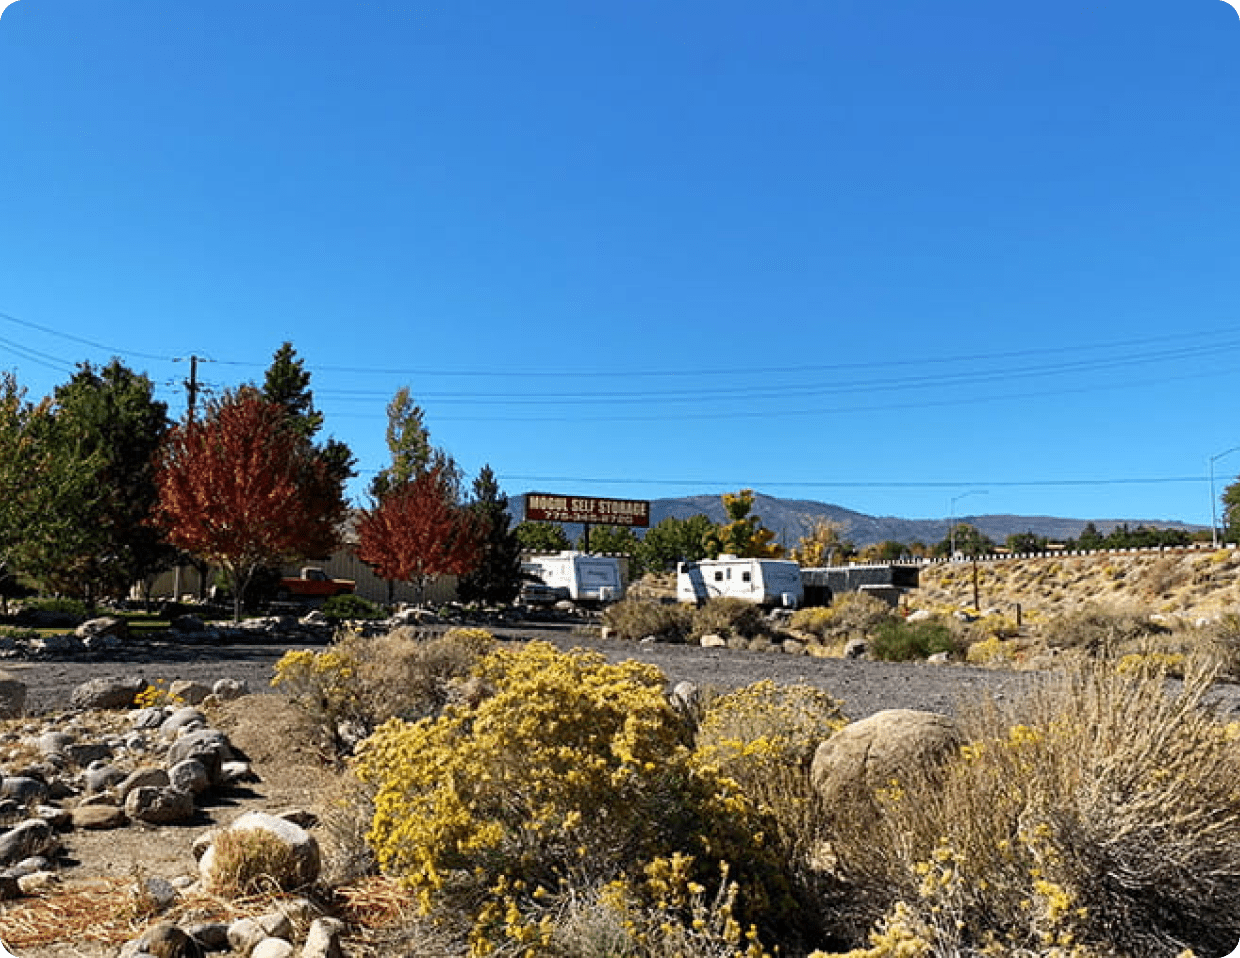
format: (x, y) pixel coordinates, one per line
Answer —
(99, 817)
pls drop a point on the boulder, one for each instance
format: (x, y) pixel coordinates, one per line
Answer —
(323, 939)
(229, 689)
(166, 940)
(148, 776)
(187, 691)
(886, 746)
(273, 948)
(159, 806)
(856, 649)
(189, 776)
(34, 836)
(99, 817)
(23, 789)
(12, 696)
(209, 746)
(104, 625)
(185, 717)
(713, 641)
(107, 692)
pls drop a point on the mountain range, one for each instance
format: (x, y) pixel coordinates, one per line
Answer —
(792, 519)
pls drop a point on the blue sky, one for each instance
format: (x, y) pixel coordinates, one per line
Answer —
(909, 258)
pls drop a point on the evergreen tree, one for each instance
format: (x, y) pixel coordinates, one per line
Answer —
(674, 540)
(497, 577)
(287, 383)
(542, 537)
(110, 417)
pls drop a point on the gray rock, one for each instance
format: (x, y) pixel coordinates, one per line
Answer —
(159, 892)
(323, 939)
(187, 691)
(229, 689)
(182, 718)
(99, 817)
(23, 790)
(159, 806)
(12, 696)
(213, 935)
(54, 743)
(55, 645)
(104, 625)
(82, 754)
(107, 692)
(713, 641)
(856, 649)
(103, 777)
(890, 745)
(148, 776)
(166, 940)
(189, 776)
(237, 773)
(147, 718)
(209, 746)
(54, 815)
(273, 948)
(685, 696)
(31, 837)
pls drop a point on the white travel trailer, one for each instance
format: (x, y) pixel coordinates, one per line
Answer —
(772, 582)
(578, 576)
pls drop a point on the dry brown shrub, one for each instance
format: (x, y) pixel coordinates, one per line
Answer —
(252, 861)
(633, 619)
(1101, 810)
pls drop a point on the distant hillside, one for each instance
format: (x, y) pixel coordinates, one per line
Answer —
(792, 519)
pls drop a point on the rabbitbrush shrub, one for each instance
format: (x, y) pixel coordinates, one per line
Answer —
(635, 619)
(1101, 816)
(368, 680)
(573, 775)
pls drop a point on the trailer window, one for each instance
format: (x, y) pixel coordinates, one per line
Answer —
(718, 575)
(745, 576)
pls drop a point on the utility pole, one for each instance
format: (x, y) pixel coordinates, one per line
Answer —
(191, 386)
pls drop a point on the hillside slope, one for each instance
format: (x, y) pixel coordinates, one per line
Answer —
(1189, 583)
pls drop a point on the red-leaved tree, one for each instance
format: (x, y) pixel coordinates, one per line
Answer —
(241, 489)
(418, 531)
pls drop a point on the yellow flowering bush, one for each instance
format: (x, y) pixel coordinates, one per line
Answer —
(574, 773)
(1107, 821)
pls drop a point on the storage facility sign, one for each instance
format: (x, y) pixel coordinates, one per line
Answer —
(544, 507)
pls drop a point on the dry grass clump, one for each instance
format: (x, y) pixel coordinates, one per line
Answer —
(733, 619)
(252, 861)
(634, 619)
(1101, 815)
(359, 682)
(1099, 631)
(851, 615)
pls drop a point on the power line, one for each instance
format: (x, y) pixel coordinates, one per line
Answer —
(862, 484)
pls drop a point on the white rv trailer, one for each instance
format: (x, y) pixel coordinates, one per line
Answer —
(578, 576)
(771, 582)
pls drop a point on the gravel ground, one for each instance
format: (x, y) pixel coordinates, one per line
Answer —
(863, 687)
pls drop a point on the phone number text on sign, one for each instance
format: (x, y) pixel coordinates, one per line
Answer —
(544, 507)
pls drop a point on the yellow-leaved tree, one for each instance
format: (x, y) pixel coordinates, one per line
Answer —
(824, 546)
(743, 535)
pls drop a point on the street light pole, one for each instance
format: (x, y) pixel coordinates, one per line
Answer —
(1213, 502)
(952, 529)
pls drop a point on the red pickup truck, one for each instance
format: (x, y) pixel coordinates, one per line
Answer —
(313, 583)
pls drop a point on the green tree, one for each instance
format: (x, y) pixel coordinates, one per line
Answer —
(497, 576)
(44, 487)
(889, 550)
(744, 535)
(612, 540)
(409, 444)
(1090, 538)
(287, 383)
(1026, 542)
(967, 539)
(542, 537)
(674, 540)
(110, 418)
